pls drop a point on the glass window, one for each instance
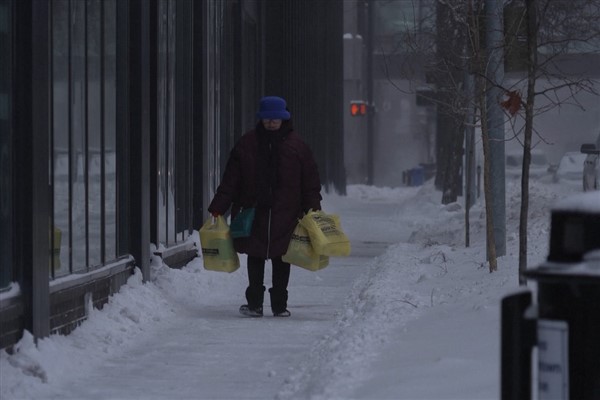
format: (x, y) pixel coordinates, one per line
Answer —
(164, 104)
(184, 126)
(569, 28)
(174, 126)
(110, 129)
(5, 145)
(78, 93)
(84, 134)
(60, 136)
(94, 130)
(405, 25)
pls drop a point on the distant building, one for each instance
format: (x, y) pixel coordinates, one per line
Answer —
(406, 128)
(403, 132)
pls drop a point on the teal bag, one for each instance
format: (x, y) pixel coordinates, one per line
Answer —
(241, 226)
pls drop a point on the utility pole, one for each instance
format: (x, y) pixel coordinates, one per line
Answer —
(469, 162)
(495, 120)
(370, 108)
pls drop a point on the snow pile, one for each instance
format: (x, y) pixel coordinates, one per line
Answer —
(135, 310)
(432, 277)
(130, 316)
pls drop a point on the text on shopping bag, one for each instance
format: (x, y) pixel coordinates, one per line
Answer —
(326, 234)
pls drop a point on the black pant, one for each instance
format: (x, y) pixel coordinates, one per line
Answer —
(256, 278)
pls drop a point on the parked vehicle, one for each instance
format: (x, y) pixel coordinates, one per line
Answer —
(591, 165)
(570, 167)
(538, 167)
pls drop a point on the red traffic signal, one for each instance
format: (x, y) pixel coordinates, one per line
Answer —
(358, 108)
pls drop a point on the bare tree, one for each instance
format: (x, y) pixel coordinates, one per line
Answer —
(565, 31)
(458, 52)
(447, 69)
(477, 54)
(425, 49)
(556, 34)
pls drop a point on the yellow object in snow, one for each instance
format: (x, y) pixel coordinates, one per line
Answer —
(218, 253)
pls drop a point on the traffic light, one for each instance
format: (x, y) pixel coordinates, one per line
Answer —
(358, 108)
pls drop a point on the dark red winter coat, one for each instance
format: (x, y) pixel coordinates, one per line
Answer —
(297, 191)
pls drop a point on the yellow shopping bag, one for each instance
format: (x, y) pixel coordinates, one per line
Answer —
(301, 253)
(326, 234)
(217, 246)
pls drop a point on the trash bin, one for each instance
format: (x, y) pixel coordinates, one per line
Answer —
(417, 176)
(563, 322)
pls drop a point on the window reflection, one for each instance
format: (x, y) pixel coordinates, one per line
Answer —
(110, 131)
(84, 133)
(162, 119)
(183, 130)
(564, 26)
(172, 46)
(60, 130)
(167, 75)
(174, 120)
(78, 132)
(94, 131)
(405, 26)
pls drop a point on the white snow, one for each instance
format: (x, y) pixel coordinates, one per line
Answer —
(584, 202)
(411, 314)
(14, 290)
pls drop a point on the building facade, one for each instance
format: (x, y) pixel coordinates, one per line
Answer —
(116, 120)
(385, 47)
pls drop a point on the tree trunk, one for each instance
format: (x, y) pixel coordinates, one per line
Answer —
(469, 170)
(531, 78)
(452, 185)
(487, 187)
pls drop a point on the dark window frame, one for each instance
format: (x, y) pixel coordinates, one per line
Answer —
(7, 274)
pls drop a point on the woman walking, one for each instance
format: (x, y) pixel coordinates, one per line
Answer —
(273, 170)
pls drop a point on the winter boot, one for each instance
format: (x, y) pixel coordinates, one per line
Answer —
(255, 297)
(284, 313)
(279, 299)
(251, 312)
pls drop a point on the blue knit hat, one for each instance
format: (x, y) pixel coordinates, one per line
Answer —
(273, 107)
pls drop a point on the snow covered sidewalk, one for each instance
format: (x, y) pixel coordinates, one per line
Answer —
(410, 314)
